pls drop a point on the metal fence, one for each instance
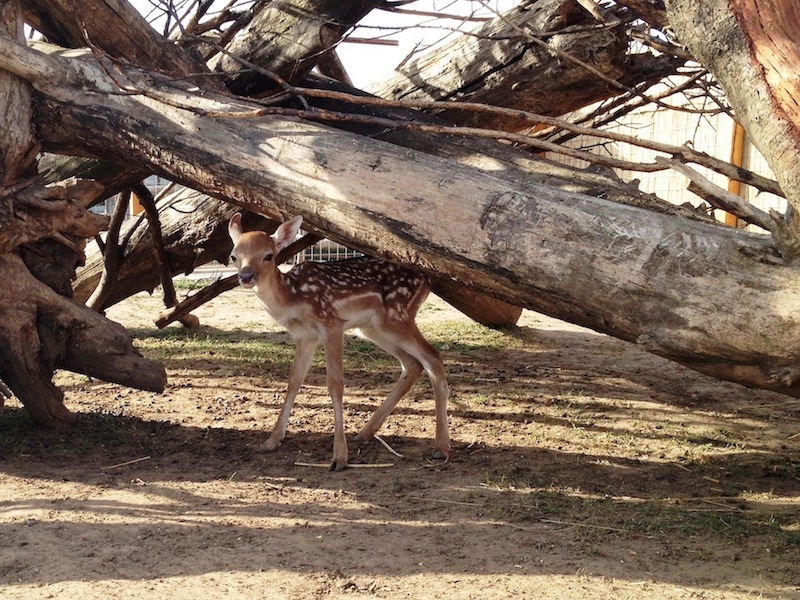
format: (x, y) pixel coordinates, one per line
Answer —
(326, 250)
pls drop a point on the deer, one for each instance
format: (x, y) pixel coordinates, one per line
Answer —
(317, 302)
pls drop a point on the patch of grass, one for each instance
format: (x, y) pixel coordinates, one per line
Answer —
(243, 354)
(14, 426)
(457, 339)
(187, 284)
(247, 353)
(468, 338)
(732, 520)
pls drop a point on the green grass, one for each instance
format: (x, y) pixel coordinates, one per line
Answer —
(733, 520)
(246, 353)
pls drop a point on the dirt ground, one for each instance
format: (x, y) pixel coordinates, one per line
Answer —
(581, 468)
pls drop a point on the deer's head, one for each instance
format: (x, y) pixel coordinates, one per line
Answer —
(254, 252)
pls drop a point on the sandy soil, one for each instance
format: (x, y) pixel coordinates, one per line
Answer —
(582, 468)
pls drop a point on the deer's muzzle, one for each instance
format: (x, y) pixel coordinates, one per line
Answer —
(247, 275)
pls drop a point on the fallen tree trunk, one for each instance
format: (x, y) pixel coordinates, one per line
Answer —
(713, 298)
(544, 56)
(287, 38)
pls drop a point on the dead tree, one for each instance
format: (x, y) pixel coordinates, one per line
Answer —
(546, 56)
(657, 280)
(749, 46)
(41, 240)
(652, 279)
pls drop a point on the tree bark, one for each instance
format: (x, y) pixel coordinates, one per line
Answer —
(43, 330)
(116, 28)
(18, 146)
(659, 281)
(750, 47)
(287, 37)
(42, 228)
(542, 56)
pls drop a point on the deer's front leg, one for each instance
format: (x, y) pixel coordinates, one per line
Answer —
(304, 352)
(333, 366)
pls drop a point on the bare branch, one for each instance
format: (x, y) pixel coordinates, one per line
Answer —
(113, 254)
(722, 198)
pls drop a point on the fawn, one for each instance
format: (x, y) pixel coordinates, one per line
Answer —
(318, 302)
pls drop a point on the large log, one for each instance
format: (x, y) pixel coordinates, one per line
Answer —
(713, 298)
(544, 56)
(287, 38)
(116, 28)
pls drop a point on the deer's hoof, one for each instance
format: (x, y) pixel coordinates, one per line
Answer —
(338, 465)
(268, 446)
(440, 454)
(363, 438)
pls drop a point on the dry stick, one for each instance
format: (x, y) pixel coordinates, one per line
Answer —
(228, 283)
(349, 466)
(572, 524)
(613, 110)
(113, 254)
(421, 499)
(126, 463)
(684, 153)
(524, 140)
(186, 306)
(722, 198)
(387, 446)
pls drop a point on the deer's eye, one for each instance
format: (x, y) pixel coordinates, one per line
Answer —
(233, 259)
(268, 257)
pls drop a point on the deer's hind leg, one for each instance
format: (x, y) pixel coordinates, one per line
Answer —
(431, 361)
(411, 369)
(414, 352)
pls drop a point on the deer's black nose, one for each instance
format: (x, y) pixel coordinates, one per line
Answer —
(247, 275)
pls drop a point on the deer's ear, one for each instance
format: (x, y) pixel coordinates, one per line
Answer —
(287, 231)
(235, 227)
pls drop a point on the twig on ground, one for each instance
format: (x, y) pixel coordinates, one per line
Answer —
(387, 446)
(126, 463)
(572, 524)
(421, 499)
(349, 466)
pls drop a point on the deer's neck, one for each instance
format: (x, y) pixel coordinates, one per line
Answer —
(273, 292)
